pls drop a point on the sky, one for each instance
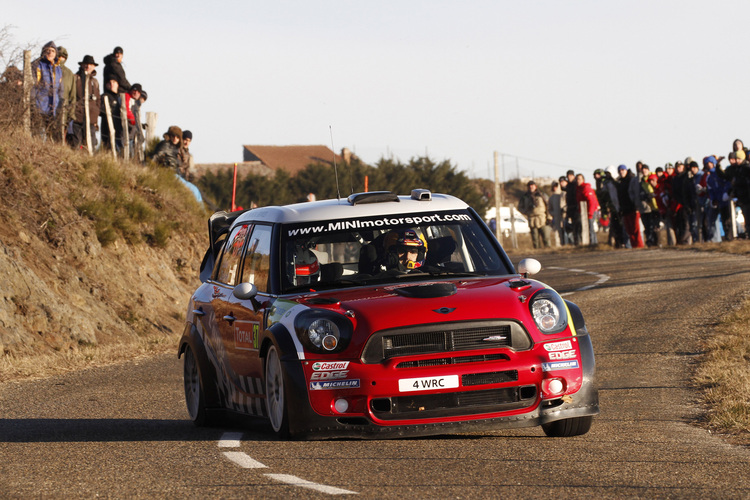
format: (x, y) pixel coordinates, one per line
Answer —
(549, 85)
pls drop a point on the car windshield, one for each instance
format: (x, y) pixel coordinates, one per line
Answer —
(392, 248)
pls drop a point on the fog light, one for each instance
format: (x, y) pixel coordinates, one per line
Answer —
(341, 405)
(555, 386)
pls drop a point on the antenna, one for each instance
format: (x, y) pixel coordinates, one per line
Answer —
(335, 168)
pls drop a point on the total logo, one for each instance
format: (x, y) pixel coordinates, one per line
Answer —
(553, 356)
(333, 375)
(330, 365)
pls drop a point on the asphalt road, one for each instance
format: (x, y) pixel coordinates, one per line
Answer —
(121, 431)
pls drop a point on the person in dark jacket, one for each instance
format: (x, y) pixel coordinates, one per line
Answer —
(167, 152)
(110, 96)
(572, 210)
(86, 83)
(628, 194)
(113, 70)
(68, 104)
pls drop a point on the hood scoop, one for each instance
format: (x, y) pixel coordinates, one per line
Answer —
(430, 291)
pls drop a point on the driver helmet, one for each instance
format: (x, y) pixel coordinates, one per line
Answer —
(305, 265)
(407, 244)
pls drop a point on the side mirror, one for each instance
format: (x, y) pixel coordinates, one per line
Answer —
(528, 267)
(245, 291)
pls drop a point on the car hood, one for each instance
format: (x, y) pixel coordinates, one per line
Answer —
(399, 305)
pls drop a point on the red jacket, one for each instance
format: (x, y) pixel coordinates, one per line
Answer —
(584, 192)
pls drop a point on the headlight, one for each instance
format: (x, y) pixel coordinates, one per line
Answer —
(323, 334)
(323, 331)
(549, 312)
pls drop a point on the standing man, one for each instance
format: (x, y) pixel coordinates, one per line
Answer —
(86, 84)
(110, 96)
(186, 159)
(67, 108)
(533, 204)
(628, 194)
(556, 207)
(113, 70)
(573, 213)
(47, 92)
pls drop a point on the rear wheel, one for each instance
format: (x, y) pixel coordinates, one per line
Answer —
(195, 397)
(568, 427)
(275, 397)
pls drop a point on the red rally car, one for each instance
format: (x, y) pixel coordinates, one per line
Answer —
(380, 316)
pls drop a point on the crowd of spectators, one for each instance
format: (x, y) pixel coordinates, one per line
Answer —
(72, 108)
(689, 201)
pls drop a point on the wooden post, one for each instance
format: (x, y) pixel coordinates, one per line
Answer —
(111, 126)
(234, 187)
(513, 234)
(87, 111)
(498, 232)
(151, 121)
(125, 128)
(584, 211)
(27, 92)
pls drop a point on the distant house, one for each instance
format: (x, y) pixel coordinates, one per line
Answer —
(265, 160)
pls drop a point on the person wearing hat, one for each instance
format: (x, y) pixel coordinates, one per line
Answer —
(134, 101)
(68, 104)
(572, 211)
(86, 84)
(167, 152)
(629, 196)
(186, 159)
(533, 204)
(649, 208)
(46, 92)
(113, 70)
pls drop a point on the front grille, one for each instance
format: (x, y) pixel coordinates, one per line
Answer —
(445, 337)
(489, 378)
(454, 403)
(452, 361)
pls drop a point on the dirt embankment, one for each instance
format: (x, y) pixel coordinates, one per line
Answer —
(76, 289)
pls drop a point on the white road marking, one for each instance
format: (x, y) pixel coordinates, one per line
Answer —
(603, 278)
(230, 440)
(243, 460)
(295, 481)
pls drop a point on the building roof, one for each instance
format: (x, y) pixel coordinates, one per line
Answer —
(289, 158)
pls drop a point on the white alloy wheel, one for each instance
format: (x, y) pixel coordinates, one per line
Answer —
(192, 381)
(275, 391)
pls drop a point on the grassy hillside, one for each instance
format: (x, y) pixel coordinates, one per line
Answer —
(97, 257)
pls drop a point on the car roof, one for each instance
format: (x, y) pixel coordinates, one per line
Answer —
(345, 208)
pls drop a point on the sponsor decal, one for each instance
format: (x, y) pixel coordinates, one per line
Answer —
(558, 346)
(329, 375)
(559, 365)
(375, 222)
(562, 355)
(246, 335)
(334, 384)
(330, 365)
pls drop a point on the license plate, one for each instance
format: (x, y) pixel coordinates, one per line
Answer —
(427, 383)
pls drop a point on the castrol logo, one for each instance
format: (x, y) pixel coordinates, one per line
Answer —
(330, 365)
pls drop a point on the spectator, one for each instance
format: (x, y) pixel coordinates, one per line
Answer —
(167, 152)
(567, 228)
(739, 177)
(113, 70)
(186, 159)
(86, 77)
(697, 194)
(608, 201)
(533, 204)
(649, 208)
(556, 204)
(138, 97)
(628, 194)
(67, 108)
(47, 91)
(680, 203)
(573, 216)
(110, 96)
(132, 105)
(586, 193)
(717, 188)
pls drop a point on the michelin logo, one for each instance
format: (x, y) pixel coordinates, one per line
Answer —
(559, 365)
(334, 384)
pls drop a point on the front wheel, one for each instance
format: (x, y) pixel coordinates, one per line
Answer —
(275, 397)
(568, 427)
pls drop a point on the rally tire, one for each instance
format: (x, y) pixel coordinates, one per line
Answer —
(568, 427)
(195, 396)
(276, 402)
